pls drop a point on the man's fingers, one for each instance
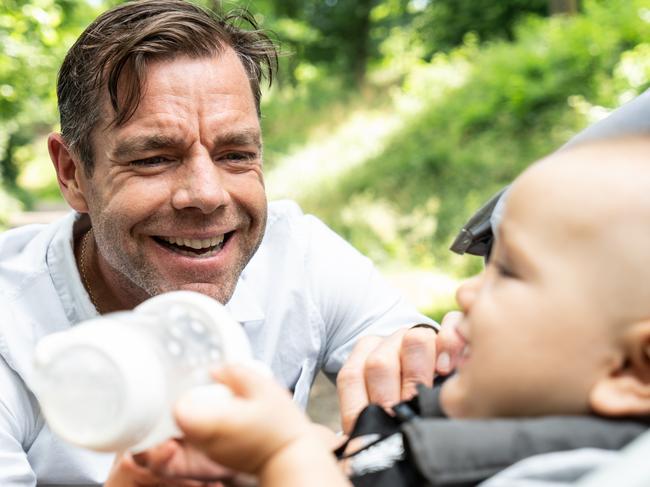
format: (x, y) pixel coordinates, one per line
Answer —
(449, 343)
(181, 464)
(351, 382)
(383, 371)
(157, 456)
(127, 473)
(418, 353)
(189, 483)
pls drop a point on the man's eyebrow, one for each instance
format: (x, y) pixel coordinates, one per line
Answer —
(132, 146)
(246, 137)
(142, 143)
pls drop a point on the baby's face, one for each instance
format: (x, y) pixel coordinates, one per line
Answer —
(536, 342)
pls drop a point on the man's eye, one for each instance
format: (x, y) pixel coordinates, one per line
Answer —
(239, 156)
(150, 161)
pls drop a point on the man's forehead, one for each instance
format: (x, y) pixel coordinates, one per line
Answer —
(220, 67)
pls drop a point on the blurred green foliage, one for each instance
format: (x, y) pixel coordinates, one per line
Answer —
(34, 36)
(392, 119)
(487, 20)
(487, 111)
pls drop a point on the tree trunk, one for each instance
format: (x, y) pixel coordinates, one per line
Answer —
(569, 7)
(360, 43)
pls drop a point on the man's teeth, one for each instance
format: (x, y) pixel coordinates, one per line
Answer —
(195, 243)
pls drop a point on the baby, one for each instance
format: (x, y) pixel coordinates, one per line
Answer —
(558, 324)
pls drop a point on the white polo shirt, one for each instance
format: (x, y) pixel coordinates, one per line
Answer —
(304, 299)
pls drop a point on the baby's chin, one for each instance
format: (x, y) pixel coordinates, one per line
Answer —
(459, 399)
(454, 398)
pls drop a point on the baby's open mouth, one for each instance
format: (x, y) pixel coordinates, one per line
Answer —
(466, 351)
(194, 247)
(465, 354)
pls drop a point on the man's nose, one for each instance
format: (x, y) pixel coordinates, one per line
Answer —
(467, 292)
(200, 185)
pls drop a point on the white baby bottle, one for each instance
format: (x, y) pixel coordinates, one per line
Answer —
(109, 383)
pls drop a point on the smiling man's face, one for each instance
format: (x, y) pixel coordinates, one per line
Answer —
(177, 196)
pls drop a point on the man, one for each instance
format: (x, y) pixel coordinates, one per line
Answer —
(160, 156)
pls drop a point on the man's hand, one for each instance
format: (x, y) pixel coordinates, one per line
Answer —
(387, 370)
(172, 464)
(127, 473)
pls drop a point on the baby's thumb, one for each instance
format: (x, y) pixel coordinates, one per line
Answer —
(248, 379)
(201, 410)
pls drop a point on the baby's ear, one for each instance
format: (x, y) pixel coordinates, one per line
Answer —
(626, 391)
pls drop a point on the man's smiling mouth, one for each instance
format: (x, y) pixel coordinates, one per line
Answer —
(194, 247)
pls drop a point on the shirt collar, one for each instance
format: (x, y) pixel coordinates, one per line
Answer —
(243, 305)
(63, 269)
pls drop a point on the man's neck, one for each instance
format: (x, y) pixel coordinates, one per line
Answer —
(107, 294)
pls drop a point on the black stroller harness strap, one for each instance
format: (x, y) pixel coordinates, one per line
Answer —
(417, 445)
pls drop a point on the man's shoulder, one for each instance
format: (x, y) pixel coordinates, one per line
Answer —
(284, 212)
(290, 230)
(23, 252)
(15, 240)
(299, 245)
(287, 221)
(284, 209)
(26, 290)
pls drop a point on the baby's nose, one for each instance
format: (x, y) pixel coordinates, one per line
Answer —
(467, 291)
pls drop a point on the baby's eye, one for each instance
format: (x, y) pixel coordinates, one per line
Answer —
(504, 270)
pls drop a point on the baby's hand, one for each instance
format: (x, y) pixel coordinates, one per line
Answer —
(245, 430)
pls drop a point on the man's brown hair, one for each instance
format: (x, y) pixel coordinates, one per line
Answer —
(114, 50)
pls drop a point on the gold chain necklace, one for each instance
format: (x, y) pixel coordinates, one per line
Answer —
(82, 265)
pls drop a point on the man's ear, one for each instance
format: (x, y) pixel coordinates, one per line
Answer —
(69, 172)
(626, 391)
